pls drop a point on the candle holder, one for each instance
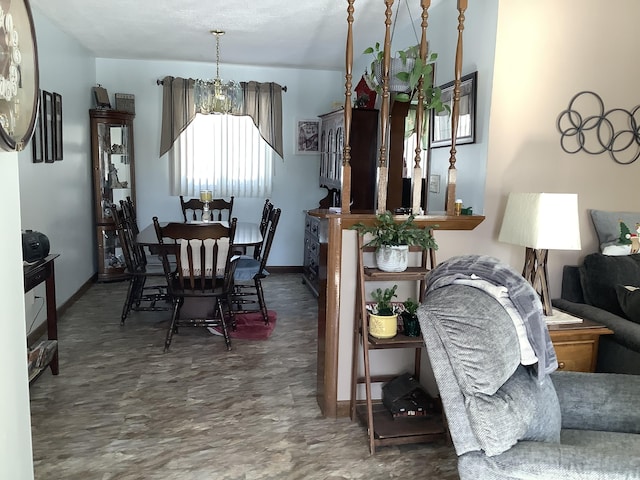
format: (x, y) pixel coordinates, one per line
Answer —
(205, 197)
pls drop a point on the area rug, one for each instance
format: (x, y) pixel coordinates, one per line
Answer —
(250, 326)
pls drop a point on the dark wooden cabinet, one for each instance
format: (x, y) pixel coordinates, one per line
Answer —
(315, 252)
(364, 152)
(113, 180)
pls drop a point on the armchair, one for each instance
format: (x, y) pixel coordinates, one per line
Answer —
(508, 420)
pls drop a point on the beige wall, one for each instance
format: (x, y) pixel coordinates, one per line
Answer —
(546, 52)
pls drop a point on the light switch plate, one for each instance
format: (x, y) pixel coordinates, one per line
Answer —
(434, 183)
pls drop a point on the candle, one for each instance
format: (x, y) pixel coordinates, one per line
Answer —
(206, 195)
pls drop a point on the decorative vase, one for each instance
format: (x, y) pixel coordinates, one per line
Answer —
(410, 325)
(392, 258)
(395, 66)
(383, 326)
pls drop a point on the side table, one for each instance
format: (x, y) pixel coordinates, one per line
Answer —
(576, 344)
(34, 275)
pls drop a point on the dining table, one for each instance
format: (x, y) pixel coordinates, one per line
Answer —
(247, 234)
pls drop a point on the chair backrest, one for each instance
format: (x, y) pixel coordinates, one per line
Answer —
(219, 208)
(264, 219)
(134, 256)
(267, 241)
(130, 215)
(490, 398)
(203, 255)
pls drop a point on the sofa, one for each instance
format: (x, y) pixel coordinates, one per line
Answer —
(509, 416)
(596, 291)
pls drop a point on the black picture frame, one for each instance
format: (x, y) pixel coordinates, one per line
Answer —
(57, 126)
(36, 139)
(440, 128)
(48, 127)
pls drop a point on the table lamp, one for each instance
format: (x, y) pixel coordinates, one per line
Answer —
(541, 222)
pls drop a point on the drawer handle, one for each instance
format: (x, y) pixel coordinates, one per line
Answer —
(561, 365)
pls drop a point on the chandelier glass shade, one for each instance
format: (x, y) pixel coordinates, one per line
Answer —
(217, 96)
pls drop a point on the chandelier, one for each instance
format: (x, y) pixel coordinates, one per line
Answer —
(216, 96)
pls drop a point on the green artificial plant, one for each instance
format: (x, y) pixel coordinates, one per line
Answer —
(386, 232)
(421, 69)
(383, 299)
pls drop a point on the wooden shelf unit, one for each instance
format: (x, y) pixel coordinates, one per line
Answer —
(382, 428)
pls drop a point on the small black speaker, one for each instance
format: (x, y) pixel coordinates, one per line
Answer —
(35, 246)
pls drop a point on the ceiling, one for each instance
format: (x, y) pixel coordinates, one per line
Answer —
(296, 34)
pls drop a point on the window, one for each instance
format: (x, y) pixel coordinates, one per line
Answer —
(223, 153)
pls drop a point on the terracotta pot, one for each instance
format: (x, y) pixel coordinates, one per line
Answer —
(392, 258)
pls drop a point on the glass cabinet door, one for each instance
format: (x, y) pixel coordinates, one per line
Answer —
(115, 167)
(113, 180)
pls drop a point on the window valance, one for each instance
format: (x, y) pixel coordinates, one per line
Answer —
(261, 101)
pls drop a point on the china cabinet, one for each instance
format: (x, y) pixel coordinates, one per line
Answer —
(112, 155)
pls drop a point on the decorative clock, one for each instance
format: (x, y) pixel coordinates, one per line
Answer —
(19, 94)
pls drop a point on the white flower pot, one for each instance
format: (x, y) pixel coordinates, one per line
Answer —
(392, 258)
(383, 326)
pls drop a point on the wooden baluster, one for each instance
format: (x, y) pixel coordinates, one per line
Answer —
(417, 170)
(345, 200)
(452, 174)
(384, 113)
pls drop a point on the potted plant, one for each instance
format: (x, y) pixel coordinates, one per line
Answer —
(405, 71)
(383, 321)
(410, 323)
(392, 240)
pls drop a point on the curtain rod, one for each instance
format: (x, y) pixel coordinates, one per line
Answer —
(160, 82)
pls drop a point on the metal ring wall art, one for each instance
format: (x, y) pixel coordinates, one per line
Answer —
(586, 126)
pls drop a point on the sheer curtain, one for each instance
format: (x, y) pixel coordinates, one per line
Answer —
(222, 153)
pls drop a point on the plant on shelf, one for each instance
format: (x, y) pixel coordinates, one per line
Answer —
(383, 321)
(392, 240)
(410, 323)
(405, 71)
(383, 299)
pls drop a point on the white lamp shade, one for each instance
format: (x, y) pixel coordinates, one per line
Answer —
(542, 221)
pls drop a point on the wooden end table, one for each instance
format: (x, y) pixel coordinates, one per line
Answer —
(576, 344)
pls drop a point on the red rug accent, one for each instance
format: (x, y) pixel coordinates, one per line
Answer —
(250, 326)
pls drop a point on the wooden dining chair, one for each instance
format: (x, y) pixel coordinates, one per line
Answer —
(264, 225)
(204, 270)
(147, 290)
(249, 273)
(130, 215)
(219, 208)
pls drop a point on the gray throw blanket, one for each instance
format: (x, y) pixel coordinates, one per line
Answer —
(522, 295)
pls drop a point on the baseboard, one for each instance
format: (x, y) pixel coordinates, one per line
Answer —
(285, 269)
(41, 330)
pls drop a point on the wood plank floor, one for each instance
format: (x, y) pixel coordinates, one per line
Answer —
(122, 409)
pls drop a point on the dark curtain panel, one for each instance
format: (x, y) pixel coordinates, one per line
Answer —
(263, 103)
(178, 109)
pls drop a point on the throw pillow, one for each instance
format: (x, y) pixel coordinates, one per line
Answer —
(629, 299)
(608, 228)
(599, 275)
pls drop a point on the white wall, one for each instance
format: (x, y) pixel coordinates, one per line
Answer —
(295, 188)
(15, 423)
(56, 198)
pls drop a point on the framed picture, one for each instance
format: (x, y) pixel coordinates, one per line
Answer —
(441, 122)
(57, 125)
(36, 139)
(48, 145)
(307, 136)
